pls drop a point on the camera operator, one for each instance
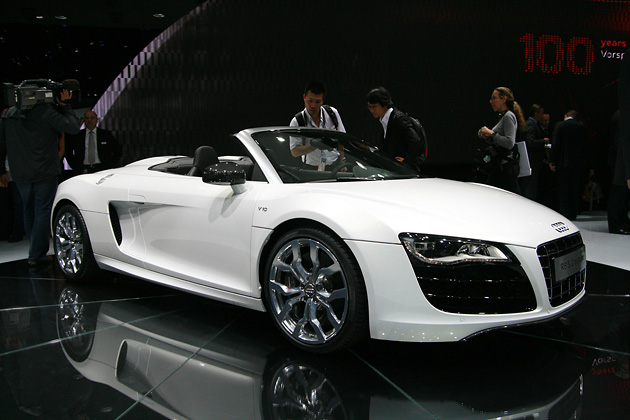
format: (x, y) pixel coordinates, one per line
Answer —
(29, 138)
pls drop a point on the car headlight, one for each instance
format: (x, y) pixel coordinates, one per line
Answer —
(442, 250)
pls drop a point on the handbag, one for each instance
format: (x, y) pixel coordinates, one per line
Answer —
(487, 159)
(493, 159)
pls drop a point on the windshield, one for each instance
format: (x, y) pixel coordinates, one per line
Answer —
(328, 156)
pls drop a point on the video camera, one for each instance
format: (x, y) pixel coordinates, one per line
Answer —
(34, 92)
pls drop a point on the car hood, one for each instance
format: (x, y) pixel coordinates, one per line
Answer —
(380, 210)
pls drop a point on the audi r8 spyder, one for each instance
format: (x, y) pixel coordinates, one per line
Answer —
(357, 245)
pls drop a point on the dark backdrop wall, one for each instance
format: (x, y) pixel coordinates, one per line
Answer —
(229, 65)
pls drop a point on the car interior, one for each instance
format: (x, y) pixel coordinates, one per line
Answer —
(204, 157)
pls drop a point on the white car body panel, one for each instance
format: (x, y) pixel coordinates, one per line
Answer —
(196, 231)
(357, 210)
(207, 239)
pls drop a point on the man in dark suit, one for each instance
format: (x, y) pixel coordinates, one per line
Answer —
(618, 221)
(93, 149)
(399, 139)
(567, 159)
(536, 150)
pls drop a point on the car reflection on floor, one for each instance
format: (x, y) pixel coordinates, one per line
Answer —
(203, 361)
(106, 351)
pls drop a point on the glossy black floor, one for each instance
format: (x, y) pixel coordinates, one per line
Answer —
(123, 348)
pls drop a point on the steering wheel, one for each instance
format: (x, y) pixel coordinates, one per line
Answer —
(338, 168)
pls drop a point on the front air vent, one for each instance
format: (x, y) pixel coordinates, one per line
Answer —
(491, 288)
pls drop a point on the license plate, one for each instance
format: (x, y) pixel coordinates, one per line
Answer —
(569, 264)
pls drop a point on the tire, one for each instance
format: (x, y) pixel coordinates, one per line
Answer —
(76, 324)
(314, 291)
(298, 389)
(73, 251)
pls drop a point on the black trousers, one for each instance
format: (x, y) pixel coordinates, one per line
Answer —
(568, 181)
(618, 202)
(505, 180)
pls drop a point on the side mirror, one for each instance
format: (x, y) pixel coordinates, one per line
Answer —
(226, 173)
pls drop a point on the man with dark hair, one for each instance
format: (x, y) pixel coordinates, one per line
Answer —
(537, 142)
(567, 159)
(318, 115)
(399, 138)
(30, 139)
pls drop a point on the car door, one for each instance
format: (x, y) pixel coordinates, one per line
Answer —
(196, 231)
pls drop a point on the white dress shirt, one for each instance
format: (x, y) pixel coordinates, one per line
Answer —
(87, 143)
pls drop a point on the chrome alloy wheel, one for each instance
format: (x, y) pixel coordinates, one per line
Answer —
(69, 242)
(301, 391)
(75, 324)
(308, 291)
(71, 315)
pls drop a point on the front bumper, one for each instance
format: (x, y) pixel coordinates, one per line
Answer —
(400, 310)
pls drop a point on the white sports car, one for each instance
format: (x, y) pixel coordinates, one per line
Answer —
(357, 245)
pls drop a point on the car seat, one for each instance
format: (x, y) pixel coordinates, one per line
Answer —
(204, 157)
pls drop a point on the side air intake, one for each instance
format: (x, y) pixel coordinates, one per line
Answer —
(115, 221)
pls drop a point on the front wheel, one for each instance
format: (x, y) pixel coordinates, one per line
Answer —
(296, 389)
(73, 251)
(76, 324)
(314, 291)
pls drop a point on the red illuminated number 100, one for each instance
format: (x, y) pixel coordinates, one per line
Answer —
(539, 53)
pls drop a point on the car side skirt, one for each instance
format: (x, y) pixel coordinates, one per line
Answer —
(187, 286)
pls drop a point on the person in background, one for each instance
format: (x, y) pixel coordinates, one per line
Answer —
(547, 179)
(567, 159)
(93, 149)
(503, 137)
(317, 115)
(618, 221)
(544, 122)
(29, 137)
(398, 137)
(537, 142)
(12, 209)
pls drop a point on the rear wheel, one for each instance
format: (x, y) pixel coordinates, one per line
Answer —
(73, 251)
(314, 291)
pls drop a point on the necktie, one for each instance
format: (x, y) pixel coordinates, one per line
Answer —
(91, 149)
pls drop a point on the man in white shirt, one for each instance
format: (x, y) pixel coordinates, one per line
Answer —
(316, 115)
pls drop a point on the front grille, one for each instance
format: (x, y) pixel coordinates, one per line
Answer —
(491, 288)
(562, 291)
